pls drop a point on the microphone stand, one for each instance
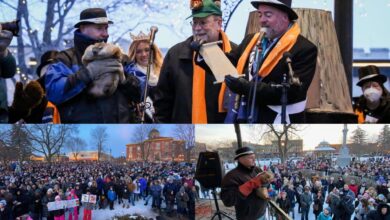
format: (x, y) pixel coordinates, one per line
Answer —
(257, 62)
(148, 68)
(284, 86)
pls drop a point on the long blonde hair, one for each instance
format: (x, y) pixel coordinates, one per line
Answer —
(157, 58)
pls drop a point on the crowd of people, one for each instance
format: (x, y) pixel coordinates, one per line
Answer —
(360, 190)
(165, 188)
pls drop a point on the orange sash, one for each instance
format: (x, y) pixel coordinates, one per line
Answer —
(285, 43)
(56, 114)
(360, 115)
(199, 112)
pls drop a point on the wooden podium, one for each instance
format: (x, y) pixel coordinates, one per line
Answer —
(328, 98)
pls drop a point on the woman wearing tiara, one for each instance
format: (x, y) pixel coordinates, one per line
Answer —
(139, 55)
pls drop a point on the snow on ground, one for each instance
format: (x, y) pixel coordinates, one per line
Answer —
(107, 214)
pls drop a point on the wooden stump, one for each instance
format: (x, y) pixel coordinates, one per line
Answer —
(328, 93)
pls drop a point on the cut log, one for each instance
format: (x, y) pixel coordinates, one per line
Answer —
(328, 93)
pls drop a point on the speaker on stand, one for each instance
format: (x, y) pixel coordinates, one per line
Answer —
(209, 172)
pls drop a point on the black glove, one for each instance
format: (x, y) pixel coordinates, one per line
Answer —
(237, 85)
(131, 88)
(26, 98)
(5, 41)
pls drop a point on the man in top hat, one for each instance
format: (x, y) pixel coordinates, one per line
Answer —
(67, 80)
(7, 70)
(281, 35)
(240, 186)
(374, 105)
(186, 92)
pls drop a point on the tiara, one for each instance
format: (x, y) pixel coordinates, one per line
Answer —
(140, 36)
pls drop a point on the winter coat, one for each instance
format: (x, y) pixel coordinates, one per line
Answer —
(284, 204)
(71, 96)
(182, 198)
(306, 200)
(7, 70)
(170, 191)
(323, 217)
(156, 191)
(111, 195)
(247, 208)
(173, 101)
(319, 203)
(304, 59)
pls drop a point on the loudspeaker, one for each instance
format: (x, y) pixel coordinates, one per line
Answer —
(209, 170)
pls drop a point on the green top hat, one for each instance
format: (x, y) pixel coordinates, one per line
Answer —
(204, 8)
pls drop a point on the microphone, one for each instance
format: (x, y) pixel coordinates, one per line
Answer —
(292, 79)
(153, 31)
(196, 45)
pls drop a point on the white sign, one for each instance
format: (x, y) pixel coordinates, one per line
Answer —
(88, 198)
(63, 204)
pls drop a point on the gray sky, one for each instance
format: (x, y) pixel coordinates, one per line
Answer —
(312, 135)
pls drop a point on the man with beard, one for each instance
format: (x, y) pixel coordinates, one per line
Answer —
(186, 92)
(67, 81)
(245, 187)
(281, 36)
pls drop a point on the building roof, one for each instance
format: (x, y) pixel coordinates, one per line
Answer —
(324, 146)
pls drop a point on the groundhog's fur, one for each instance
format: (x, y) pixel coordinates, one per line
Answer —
(107, 83)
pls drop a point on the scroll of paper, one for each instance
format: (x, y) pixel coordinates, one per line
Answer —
(216, 59)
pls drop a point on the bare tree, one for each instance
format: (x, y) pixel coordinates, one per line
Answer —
(5, 144)
(76, 145)
(140, 137)
(20, 142)
(49, 139)
(99, 137)
(186, 132)
(279, 133)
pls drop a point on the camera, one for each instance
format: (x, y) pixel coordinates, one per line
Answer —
(12, 26)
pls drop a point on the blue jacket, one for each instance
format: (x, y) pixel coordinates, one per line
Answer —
(70, 94)
(111, 195)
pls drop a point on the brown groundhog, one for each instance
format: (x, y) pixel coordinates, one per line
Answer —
(107, 83)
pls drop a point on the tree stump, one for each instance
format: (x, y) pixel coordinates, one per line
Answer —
(328, 98)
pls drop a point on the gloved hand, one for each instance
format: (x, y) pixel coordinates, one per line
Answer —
(237, 85)
(263, 178)
(98, 67)
(131, 88)
(5, 41)
(27, 98)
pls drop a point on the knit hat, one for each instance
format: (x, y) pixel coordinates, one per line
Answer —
(243, 151)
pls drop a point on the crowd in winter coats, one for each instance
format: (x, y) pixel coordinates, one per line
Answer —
(27, 188)
(343, 195)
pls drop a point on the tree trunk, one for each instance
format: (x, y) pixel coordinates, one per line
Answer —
(48, 23)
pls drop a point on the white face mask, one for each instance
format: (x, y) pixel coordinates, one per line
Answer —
(372, 95)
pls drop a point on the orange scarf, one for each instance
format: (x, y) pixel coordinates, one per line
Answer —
(283, 45)
(199, 111)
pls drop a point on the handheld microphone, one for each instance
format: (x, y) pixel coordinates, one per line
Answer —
(153, 31)
(292, 79)
(196, 45)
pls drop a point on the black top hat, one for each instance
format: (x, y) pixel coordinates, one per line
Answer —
(243, 151)
(370, 73)
(47, 58)
(284, 5)
(93, 16)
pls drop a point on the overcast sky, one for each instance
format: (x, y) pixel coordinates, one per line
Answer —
(312, 135)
